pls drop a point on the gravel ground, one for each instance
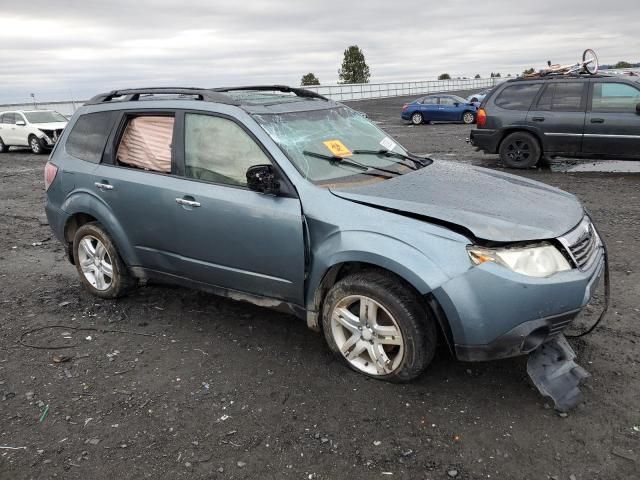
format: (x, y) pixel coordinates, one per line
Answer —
(171, 383)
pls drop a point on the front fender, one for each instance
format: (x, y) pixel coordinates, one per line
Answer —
(376, 249)
(87, 202)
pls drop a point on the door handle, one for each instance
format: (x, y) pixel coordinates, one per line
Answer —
(538, 119)
(103, 186)
(597, 120)
(187, 203)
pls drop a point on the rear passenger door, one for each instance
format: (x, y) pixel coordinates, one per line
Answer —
(231, 236)
(135, 180)
(559, 116)
(613, 124)
(429, 108)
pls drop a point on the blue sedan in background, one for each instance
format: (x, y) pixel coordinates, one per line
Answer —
(439, 108)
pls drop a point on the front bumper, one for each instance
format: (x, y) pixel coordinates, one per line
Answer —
(494, 313)
(486, 140)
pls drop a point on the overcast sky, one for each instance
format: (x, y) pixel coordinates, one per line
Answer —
(64, 49)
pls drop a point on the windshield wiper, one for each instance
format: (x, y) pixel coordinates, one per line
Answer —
(417, 161)
(348, 161)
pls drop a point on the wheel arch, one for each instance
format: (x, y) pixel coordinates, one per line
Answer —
(84, 207)
(340, 270)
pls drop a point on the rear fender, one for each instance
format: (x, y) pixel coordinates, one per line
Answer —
(85, 201)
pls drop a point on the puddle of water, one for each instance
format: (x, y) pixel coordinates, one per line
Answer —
(608, 166)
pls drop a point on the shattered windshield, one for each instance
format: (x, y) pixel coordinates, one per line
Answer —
(333, 145)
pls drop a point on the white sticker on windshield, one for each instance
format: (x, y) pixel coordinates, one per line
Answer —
(387, 143)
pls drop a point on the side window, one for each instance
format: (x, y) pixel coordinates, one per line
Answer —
(218, 150)
(562, 97)
(614, 97)
(517, 97)
(20, 118)
(447, 101)
(89, 136)
(9, 118)
(430, 100)
(146, 143)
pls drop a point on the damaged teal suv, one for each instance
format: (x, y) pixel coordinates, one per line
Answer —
(283, 198)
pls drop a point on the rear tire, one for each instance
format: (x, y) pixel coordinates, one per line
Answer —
(520, 150)
(468, 118)
(378, 326)
(3, 148)
(101, 270)
(36, 145)
(417, 118)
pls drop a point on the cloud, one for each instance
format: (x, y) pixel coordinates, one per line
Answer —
(81, 47)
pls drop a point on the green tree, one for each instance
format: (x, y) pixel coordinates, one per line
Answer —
(529, 71)
(309, 79)
(623, 64)
(354, 67)
(495, 75)
(444, 76)
(477, 76)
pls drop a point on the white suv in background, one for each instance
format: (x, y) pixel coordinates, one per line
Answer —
(37, 129)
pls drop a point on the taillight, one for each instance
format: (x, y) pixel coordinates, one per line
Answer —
(405, 106)
(50, 172)
(481, 118)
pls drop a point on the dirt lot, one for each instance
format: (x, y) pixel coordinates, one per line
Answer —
(170, 383)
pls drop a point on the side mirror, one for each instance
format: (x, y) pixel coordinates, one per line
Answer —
(20, 123)
(456, 104)
(261, 178)
(638, 108)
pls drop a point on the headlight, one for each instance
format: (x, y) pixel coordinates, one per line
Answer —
(539, 260)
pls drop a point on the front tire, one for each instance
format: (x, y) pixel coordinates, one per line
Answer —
(520, 150)
(417, 118)
(98, 263)
(36, 145)
(377, 325)
(468, 118)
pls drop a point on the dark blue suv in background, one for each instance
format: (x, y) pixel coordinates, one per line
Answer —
(589, 116)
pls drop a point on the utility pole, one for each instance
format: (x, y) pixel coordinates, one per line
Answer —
(33, 97)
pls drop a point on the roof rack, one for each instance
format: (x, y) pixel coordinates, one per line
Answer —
(560, 76)
(300, 92)
(133, 94)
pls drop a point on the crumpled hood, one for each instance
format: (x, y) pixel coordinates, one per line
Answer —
(494, 206)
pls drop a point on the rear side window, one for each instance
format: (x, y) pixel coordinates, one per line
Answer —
(146, 143)
(614, 97)
(563, 97)
(89, 136)
(517, 97)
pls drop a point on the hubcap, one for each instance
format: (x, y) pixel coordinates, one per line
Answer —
(35, 146)
(417, 119)
(95, 263)
(367, 335)
(518, 151)
(468, 118)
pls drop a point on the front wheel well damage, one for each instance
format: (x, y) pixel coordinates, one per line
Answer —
(337, 272)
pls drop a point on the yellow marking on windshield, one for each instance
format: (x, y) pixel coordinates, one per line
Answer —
(337, 148)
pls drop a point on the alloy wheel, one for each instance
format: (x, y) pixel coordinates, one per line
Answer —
(518, 151)
(35, 145)
(95, 263)
(467, 117)
(367, 335)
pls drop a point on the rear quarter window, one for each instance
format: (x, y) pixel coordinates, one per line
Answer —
(89, 136)
(517, 97)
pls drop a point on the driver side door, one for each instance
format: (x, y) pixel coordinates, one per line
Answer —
(228, 235)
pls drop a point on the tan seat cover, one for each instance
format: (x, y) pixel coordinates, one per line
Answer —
(146, 143)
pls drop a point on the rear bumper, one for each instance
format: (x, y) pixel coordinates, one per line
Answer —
(405, 116)
(485, 140)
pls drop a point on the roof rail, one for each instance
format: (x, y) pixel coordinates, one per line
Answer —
(300, 92)
(133, 94)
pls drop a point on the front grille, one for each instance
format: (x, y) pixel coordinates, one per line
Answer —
(581, 243)
(53, 134)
